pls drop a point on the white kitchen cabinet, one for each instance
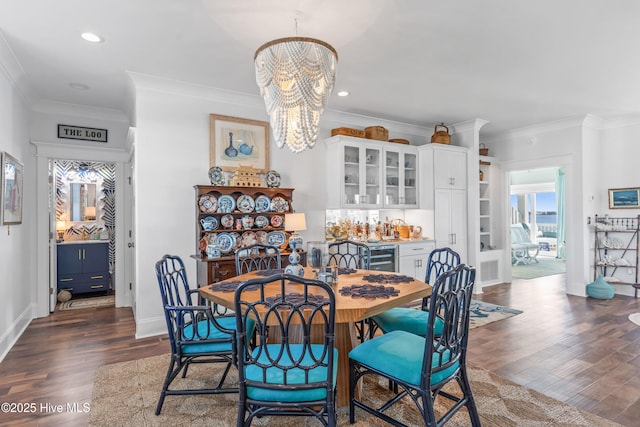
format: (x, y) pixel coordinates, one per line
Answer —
(450, 215)
(354, 173)
(412, 258)
(370, 174)
(443, 189)
(450, 168)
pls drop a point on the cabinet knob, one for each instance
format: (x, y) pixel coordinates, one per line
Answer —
(130, 245)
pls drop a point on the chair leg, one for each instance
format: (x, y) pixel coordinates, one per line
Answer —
(428, 414)
(471, 403)
(171, 374)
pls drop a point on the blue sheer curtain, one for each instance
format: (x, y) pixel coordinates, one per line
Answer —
(561, 249)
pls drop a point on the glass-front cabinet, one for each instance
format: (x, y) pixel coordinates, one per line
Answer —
(400, 172)
(361, 176)
(366, 174)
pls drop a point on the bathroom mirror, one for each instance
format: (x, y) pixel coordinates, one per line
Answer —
(82, 202)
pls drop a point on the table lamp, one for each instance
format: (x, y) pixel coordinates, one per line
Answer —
(295, 222)
(61, 225)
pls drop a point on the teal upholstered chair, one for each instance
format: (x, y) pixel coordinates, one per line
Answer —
(411, 320)
(422, 366)
(295, 374)
(196, 333)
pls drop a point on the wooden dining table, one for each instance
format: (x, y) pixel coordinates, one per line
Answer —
(349, 310)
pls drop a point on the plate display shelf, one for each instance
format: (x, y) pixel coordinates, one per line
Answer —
(211, 270)
(617, 250)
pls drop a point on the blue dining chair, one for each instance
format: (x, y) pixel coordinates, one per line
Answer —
(350, 254)
(257, 257)
(422, 366)
(411, 320)
(196, 333)
(296, 374)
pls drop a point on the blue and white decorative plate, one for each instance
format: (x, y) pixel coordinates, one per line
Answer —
(272, 179)
(208, 203)
(261, 222)
(216, 176)
(225, 242)
(226, 204)
(263, 203)
(245, 203)
(278, 204)
(237, 239)
(276, 238)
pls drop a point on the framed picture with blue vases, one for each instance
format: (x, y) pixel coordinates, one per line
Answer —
(238, 142)
(624, 198)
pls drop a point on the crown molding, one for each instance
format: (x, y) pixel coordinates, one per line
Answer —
(537, 129)
(12, 69)
(77, 110)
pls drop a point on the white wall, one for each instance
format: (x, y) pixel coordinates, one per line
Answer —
(16, 241)
(549, 145)
(597, 154)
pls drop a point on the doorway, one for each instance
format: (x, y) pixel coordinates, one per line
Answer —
(84, 215)
(537, 222)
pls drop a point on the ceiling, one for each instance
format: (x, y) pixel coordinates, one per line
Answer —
(514, 63)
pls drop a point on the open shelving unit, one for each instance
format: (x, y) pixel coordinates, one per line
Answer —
(617, 250)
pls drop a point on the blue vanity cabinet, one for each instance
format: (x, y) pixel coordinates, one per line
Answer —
(83, 267)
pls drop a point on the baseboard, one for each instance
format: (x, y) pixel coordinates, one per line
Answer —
(15, 331)
(151, 327)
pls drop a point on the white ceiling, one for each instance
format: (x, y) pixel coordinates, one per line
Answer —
(514, 63)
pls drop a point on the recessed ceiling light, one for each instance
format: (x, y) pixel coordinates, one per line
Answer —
(343, 93)
(79, 86)
(91, 37)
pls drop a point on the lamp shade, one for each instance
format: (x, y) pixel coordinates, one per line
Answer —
(90, 212)
(295, 222)
(61, 224)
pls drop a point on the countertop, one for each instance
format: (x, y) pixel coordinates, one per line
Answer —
(68, 242)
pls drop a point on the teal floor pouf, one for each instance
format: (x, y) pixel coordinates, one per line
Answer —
(600, 289)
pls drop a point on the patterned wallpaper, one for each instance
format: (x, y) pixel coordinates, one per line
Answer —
(104, 176)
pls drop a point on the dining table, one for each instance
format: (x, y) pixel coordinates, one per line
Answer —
(359, 295)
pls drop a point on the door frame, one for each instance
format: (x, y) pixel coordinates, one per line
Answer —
(46, 152)
(574, 264)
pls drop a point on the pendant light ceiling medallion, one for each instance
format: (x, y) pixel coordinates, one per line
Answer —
(296, 76)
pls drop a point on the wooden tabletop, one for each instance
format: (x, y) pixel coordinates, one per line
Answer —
(348, 308)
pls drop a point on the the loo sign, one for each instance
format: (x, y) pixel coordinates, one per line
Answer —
(86, 134)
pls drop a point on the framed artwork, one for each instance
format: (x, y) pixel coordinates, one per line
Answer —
(11, 203)
(624, 198)
(235, 142)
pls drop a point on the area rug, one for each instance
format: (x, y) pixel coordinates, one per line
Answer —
(635, 318)
(126, 394)
(92, 302)
(483, 313)
(546, 266)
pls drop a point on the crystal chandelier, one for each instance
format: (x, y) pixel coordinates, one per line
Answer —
(295, 76)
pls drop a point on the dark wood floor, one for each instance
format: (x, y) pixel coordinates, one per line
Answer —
(581, 351)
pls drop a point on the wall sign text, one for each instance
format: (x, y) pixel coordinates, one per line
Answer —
(85, 134)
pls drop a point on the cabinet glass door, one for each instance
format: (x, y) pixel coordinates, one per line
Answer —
(410, 179)
(400, 179)
(361, 176)
(392, 178)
